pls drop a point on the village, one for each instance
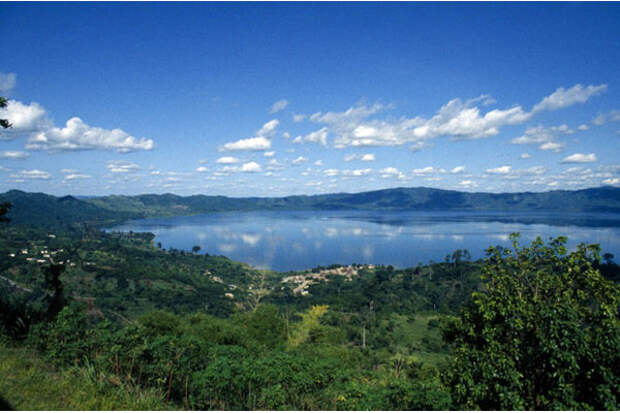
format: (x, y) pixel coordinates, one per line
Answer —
(304, 280)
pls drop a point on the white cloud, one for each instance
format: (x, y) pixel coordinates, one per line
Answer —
(73, 177)
(369, 157)
(202, 169)
(227, 160)
(612, 181)
(23, 118)
(552, 146)
(14, 155)
(542, 134)
(251, 167)
(429, 170)
(274, 165)
(269, 154)
(457, 170)
(331, 172)
(299, 160)
(258, 143)
(583, 127)
(357, 172)
(268, 128)
(458, 119)
(77, 135)
(612, 116)
(7, 82)
(279, 105)
(580, 158)
(500, 170)
(298, 118)
(318, 136)
(566, 97)
(122, 166)
(30, 174)
(525, 155)
(391, 172)
(318, 163)
(68, 171)
(467, 183)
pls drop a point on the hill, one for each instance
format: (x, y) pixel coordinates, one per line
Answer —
(42, 209)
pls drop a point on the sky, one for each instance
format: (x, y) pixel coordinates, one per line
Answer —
(275, 99)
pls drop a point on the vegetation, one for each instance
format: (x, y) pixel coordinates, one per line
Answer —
(544, 333)
(43, 210)
(122, 324)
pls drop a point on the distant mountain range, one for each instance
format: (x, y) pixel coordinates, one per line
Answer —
(42, 209)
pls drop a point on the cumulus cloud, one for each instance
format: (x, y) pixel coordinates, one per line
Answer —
(24, 119)
(258, 143)
(467, 183)
(298, 118)
(612, 181)
(30, 174)
(331, 172)
(612, 116)
(457, 170)
(227, 160)
(268, 128)
(318, 136)
(580, 158)
(552, 146)
(368, 157)
(122, 167)
(73, 177)
(429, 170)
(7, 82)
(544, 136)
(566, 97)
(14, 155)
(524, 155)
(269, 154)
(299, 160)
(279, 105)
(250, 167)
(457, 119)
(202, 169)
(356, 172)
(77, 135)
(32, 120)
(583, 127)
(500, 170)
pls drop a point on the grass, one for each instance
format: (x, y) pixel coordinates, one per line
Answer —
(28, 383)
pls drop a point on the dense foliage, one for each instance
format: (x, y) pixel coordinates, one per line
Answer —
(147, 328)
(544, 333)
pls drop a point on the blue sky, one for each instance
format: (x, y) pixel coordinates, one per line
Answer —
(270, 99)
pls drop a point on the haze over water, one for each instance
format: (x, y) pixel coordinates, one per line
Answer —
(297, 240)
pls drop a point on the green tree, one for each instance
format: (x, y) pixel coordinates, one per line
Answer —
(543, 334)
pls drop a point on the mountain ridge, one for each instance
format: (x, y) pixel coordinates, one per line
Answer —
(40, 208)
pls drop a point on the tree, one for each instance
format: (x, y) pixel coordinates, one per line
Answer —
(544, 333)
(195, 248)
(4, 123)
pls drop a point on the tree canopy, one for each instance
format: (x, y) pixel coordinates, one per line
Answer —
(543, 334)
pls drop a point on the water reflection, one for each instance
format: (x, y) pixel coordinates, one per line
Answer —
(305, 239)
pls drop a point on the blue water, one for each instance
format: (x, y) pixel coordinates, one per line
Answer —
(296, 240)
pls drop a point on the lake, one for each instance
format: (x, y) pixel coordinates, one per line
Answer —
(297, 240)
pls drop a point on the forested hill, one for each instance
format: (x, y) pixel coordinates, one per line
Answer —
(603, 199)
(40, 208)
